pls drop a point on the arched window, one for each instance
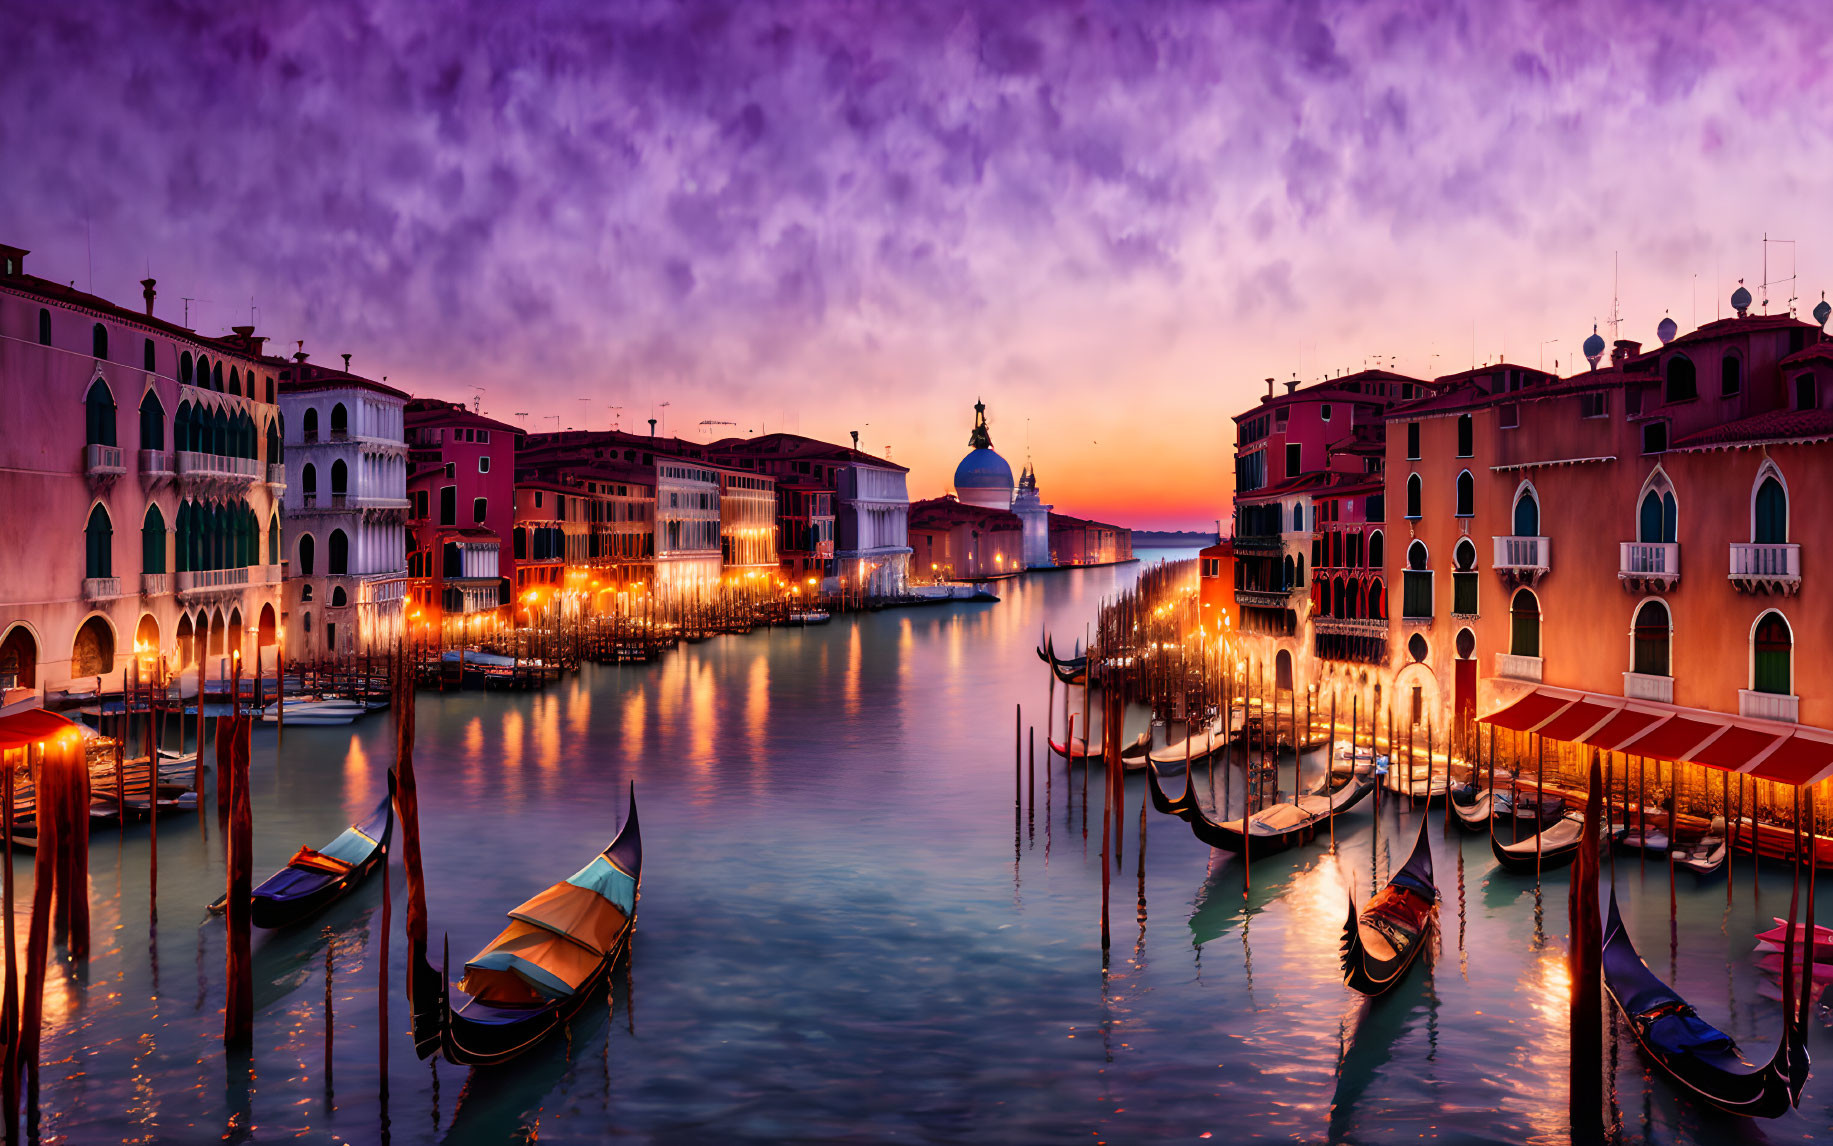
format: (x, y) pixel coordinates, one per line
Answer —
(18, 659)
(1653, 637)
(310, 426)
(1771, 647)
(308, 480)
(98, 341)
(182, 427)
(1466, 495)
(44, 327)
(203, 372)
(1730, 376)
(1377, 600)
(338, 597)
(148, 357)
(152, 423)
(1466, 436)
(1658, 520)
(93, 652)
(1769, 524)
(1682, 382)
(340, 420)
(235, 381)
(1807, 393)
(273, 540)
(1524, 624)
(340, 478)
(306, 546)
(337, 561)
(1288, 572)
(98, 544)
(1375, 554)
(1464, 578)
(184, 368)
(1416, 555)
(1527, 514)
(1339, 599)
(216, 376)
(152, 541)
(273, 442)
(1416, 584)
(99, 415)
(1413, 489)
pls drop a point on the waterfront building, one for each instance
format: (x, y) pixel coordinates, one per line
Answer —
(346, 511)
(461, 489)
(1216, 584)
(144, 474)
(747, 526)
(1034, 515)
(1080, 541)
(983, 478)
(953, 541)
(609, 545)
(867, 537)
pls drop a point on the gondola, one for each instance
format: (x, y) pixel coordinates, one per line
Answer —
(1076, 749)
(1381, 941)
(1074, 670)
(1281, 826)
(1526, 806)
(1700, 1057)
(1558, 846)
(1197, 746)
(542, 968)
(313, 880)
(1182, 807)
(1473, 806)
(1704, 855)
(1644, 838)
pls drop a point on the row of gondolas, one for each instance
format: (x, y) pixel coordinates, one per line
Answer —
(553, 955)
(1383, 938)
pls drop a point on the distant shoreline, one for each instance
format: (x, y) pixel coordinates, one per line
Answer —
(1171, 539)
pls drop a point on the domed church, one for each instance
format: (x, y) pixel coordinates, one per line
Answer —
(983, 478)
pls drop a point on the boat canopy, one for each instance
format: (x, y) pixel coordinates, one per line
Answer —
(31, 725)
(352, 847)
(1765, 749)
(556, 940)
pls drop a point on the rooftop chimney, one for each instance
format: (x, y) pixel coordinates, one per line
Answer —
(1292, 385)
(147, 292)
(300, 355)
(1622, 350)
(652, 427)
(346, 359)
(1269, 388)
(855, 434)
(12, 261)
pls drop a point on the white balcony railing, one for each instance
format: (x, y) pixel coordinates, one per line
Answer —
(195, 463)
(1517, 667)
(155, 584)
(1649, 563)
(101, 588)
(1769, 706)
(1766, 568)
(156, 463)
(1522, 558)
(1264, 598)
(206, 580)
(102, 460)
(1645, 686)
(276, 475)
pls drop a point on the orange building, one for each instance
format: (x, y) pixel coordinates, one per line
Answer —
(1216, 584)
(954, 541)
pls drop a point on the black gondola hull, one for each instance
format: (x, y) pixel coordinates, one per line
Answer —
(1371, 976)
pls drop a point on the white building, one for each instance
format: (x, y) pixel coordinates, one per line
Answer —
(1035, 515)
(871, 526)
(346, 514)
(687, 527)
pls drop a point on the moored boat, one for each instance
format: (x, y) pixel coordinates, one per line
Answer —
(1473, 806)
(535, 975)
(1285, 825)
(316, 878)
(1702, 1059)
(1554, 846)
(1382, 940)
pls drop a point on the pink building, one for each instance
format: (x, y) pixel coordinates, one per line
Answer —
(461, 495)
(143, 480)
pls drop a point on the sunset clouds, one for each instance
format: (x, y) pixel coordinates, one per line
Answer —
(1109, 219)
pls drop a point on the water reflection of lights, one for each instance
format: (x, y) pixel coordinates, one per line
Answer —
(356, 769)
(757, 712)
(634, 712)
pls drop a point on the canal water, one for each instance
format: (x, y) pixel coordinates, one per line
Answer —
(848, 932)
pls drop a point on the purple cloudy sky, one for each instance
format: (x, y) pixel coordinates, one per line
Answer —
(1110, 220)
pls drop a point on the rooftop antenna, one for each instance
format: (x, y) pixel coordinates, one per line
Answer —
(1769, 282)
(664, 419)
(477, 400)
(523, 414)
(188, 301)
(556, 419)
(716, 422)
(617, 416)
(1616, 314)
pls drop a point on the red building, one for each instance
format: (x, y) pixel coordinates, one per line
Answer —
(461, 488)
(953, 541)
(1216, 584)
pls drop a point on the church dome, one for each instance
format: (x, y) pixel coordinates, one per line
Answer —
(983, 477)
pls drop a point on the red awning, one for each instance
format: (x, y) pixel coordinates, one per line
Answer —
(1528, 713)
(1584, 716)
(1738, 747)
(1627, 724)
(1801, 759)
(1676, 739)
(29, 727)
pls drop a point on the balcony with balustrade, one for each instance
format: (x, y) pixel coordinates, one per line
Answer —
(1522, 560)
(155, 584)
(1769, 706)
(195, 464)
(199, 582)
(1766, 568)
(101, 588)
(1517, 667)
(104, 461)
(276, 476)
(1648, 566)
(155, 467)
(1648, 686)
